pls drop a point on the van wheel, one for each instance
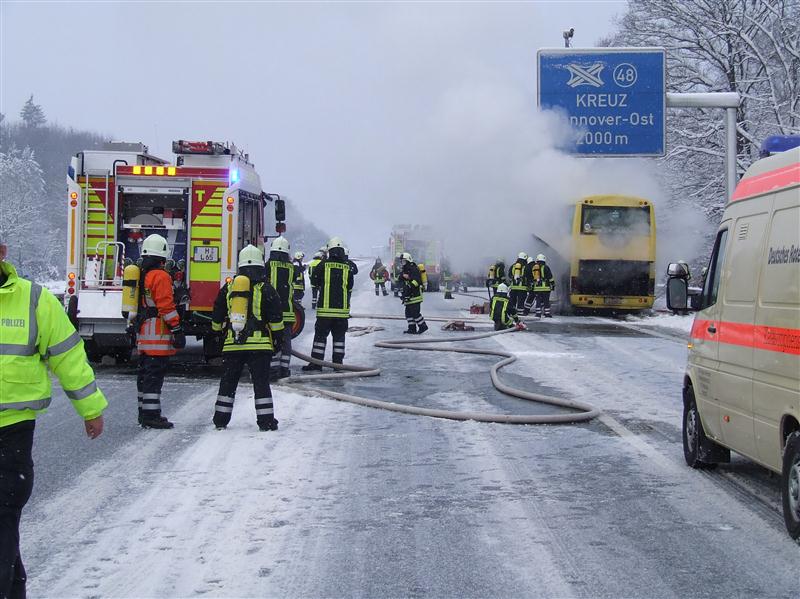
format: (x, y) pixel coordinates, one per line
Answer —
(790, 485)
(693, 434)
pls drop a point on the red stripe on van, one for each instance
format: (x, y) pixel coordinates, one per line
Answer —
(776, 339)
(766, 182)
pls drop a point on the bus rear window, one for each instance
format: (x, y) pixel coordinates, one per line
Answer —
(615, 219)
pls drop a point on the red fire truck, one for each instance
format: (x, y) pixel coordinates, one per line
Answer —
(208, 203)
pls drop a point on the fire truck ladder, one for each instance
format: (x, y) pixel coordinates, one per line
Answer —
(100, 259)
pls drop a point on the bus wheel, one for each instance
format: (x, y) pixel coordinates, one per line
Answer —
(693, 435)
(299, 320)
(790, 485)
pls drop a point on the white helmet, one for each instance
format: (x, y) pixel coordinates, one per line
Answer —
(250, 256)
(155, 245)
(502, 288)
(522, 256)
(299, 255)
(541, 258)
(318, 255)
(530, 259)
(407, 256)
(280, 244)
(335, 242)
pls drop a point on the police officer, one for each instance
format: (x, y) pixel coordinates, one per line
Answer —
(412, 296)
(254, 345)
(159, 335)
(311, 266)
(379, 276)
(299, 276)
(281, 275)
(502, 311)
(543, 284)
(334, 279)
(35, 336)
(517, 288)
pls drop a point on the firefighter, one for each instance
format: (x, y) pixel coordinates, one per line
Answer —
(261, 334)
(518, 289)
(159, 334)
(412, 296)
(498, 274)
(490, 280)
(37, 336)
(281, 275)
(543, 284)
(335, 281)
(502, 311)
(379, 276)
(311, 266)
(528, 277)
(299, 275)
(397, 270)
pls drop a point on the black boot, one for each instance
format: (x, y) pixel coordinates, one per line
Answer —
(284, 373)
(422, 328)
(156, 422)
(311, 367)
(411, 331)
(268, 425)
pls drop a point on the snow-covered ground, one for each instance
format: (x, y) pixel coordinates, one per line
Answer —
(358, 502)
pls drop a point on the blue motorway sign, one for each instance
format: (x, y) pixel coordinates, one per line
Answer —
(614, 97)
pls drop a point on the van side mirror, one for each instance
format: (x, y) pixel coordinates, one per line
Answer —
(677, 294)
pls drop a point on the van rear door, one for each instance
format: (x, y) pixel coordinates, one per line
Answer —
(704, 356)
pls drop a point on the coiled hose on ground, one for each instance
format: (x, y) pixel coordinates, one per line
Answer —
(584, 411)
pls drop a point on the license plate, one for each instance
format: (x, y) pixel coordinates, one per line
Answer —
(206, 253)
(614, 301)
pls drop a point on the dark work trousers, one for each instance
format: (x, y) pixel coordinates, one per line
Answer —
(16, 484)
(149, 382)
(284, 354)
(517, 299)
(337, 327)
(314, 292)
(380, 286)
(233, 363)
(414, 316)
(543, 304)
(529, 300)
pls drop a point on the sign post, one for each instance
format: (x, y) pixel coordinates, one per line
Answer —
(614, 97)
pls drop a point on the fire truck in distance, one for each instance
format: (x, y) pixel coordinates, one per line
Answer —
(208, 204)
(421, 242)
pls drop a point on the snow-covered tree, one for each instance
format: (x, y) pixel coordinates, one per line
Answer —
(32, 114)
(22, 194)
(747, 46)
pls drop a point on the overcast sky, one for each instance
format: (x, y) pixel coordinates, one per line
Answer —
(363, 114)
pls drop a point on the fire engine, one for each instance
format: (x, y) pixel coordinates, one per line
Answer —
(208, 204)
(420, 241)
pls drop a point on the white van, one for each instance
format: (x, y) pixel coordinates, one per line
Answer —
(741, 389)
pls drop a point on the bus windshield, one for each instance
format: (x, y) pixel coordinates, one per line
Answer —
(615, 219)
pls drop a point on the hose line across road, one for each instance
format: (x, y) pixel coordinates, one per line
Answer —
(583, 413)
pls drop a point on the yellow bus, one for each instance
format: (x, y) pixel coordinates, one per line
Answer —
(613, 254)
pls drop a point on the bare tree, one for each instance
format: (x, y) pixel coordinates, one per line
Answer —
(747, 46)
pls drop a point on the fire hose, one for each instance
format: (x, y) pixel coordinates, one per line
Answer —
(584, 411)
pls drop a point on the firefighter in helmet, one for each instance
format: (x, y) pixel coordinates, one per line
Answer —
(412, 296)
(248, 311)
(299, 276)
(311, 266)
(517, 285)
(159, 335)
(334, 279)
(528, 278)
(543, 284)
(502, 310)
(379, 276)
(281, 275)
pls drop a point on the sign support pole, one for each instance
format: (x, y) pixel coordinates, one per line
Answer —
(730, 102)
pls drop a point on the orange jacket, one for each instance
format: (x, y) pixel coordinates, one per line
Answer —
(155, 338)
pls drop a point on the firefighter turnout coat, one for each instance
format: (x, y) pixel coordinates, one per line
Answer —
(334, 278)
(281, 275)
(36, 334)
(264, 317)
(160, 314)
(412, 284)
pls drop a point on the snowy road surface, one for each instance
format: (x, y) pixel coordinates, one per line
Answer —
(348, 501)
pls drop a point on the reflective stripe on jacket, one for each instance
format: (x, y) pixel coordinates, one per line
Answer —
(299, 276)
(516, 274)
(412, 284)
(155, 337)
(335, 280)
(36, 334)
(281, 276)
